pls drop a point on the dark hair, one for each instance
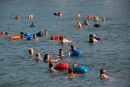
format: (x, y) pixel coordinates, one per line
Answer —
(6, 33)
(52, 37)
(61, 38)
(70, 71)
(21, 33)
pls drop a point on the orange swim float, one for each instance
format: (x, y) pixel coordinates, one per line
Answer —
(79, 25)
(16, 37)
(1, 33)
(57, 37)
(90, 16)
(62, 65)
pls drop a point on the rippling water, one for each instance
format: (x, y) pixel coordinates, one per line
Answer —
(112, 53)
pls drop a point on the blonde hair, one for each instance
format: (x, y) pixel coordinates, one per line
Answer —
(31, 48)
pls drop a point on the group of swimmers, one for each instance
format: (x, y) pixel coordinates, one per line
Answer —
(51, 61)
(79, 25)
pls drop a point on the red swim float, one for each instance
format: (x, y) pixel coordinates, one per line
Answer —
(1, 33)
(90, 16)
(57, 37)
(62, 65)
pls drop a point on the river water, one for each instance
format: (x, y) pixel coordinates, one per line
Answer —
(112, 53)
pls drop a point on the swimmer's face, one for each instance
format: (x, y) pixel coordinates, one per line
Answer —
(48, 56)
(31, 51)
(61, 52)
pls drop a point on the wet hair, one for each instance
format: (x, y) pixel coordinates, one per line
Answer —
(60, 50)
(21, 33)
(52, 37)
(70, 71)
(51, 65)
(6, 33)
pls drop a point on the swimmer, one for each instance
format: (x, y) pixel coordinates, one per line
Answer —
(46, 33)
(52, 39)
(31, 25)
(86, 23)
(17, 17)
(35, 37)
(70, 73)
(73, 47)
(51, 67)
(48, 59)
(92, 39)
(31, 51)
(96, 17)
(103, 75)
(7, 34)
(38, 56)
(63, 40)
(103, 19)
(61, 53)
(22, 35)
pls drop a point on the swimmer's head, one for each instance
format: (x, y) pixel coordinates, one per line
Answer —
(75, 64)
(73, 47)
(31, 51)
(61, 50)
(6, 33)
(46, 32)
(38, 55)
(52, 38)
(46, 57)
(102, 71)
(61, 38)
(34, 36)
(103, 19)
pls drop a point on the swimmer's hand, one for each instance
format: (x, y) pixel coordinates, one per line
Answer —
(57, 59)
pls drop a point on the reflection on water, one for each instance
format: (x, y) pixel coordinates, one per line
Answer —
(112, 53)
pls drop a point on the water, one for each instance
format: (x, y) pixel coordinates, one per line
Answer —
(112, 53)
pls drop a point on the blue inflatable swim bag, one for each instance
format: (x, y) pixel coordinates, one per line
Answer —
(29, 38)
(76, 53)
(80, 69)
(39, 34)
(26, 34)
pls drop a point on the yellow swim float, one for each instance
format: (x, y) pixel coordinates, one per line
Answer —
(78, 15)
(30, 16)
